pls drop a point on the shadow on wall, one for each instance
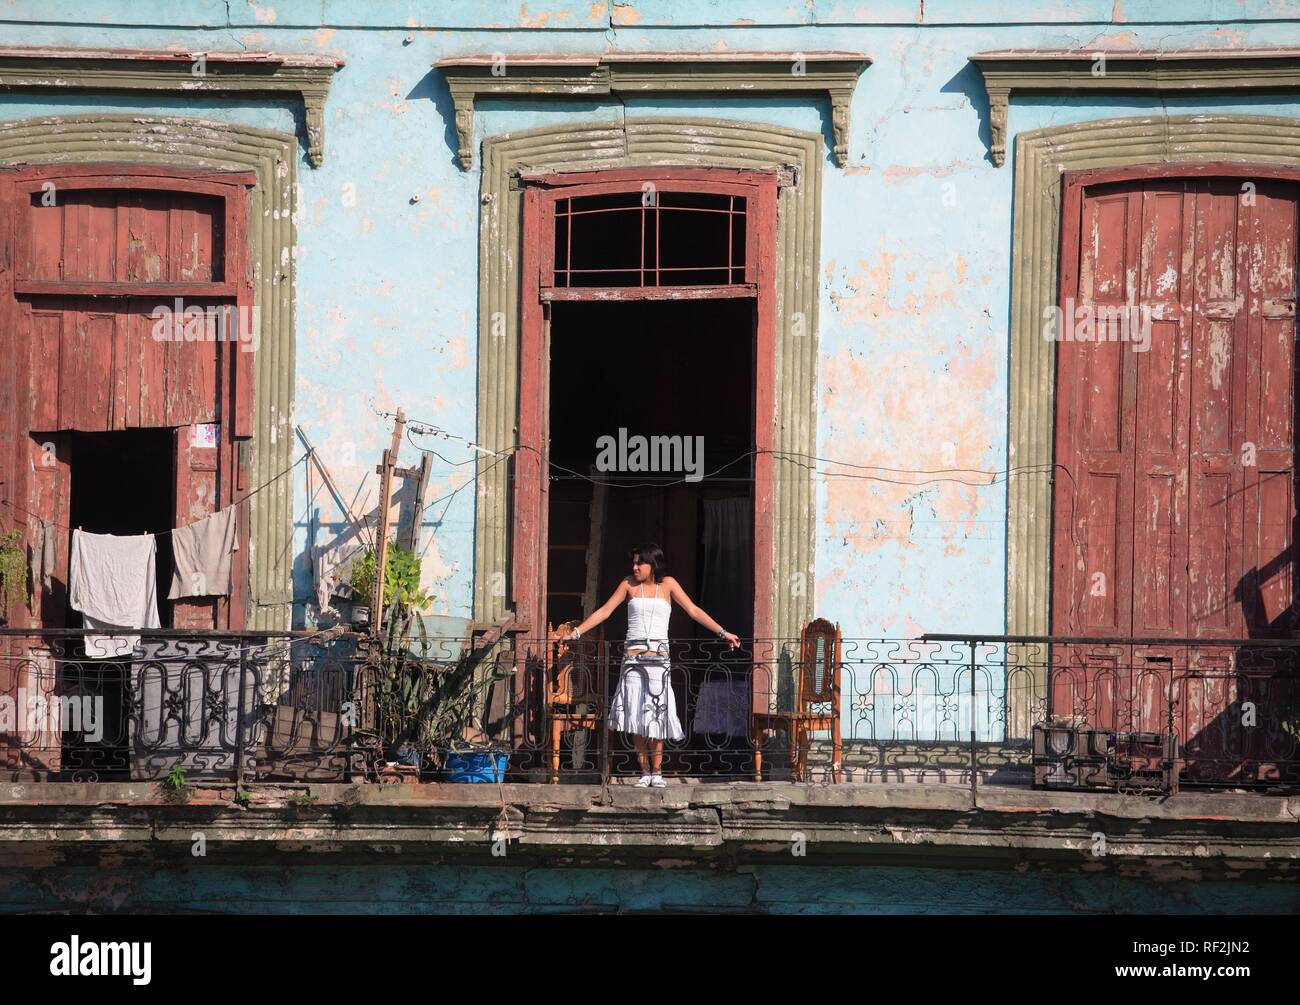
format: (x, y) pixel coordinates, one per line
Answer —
(434, 87)
(1266, 684)
(334, 546)
(970, 82)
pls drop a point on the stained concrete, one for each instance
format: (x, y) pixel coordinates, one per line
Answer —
(1000, 825)
(736, 848)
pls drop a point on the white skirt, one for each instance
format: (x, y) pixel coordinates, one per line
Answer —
(644, 702)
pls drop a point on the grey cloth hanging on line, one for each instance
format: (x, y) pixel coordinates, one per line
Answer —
(44, 553)
(112, 583)
(202, 554)
(49, 555)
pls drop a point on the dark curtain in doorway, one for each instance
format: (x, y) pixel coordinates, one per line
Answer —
(727, 566)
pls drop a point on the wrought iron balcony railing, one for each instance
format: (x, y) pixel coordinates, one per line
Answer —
(959, 708)
(236, 706)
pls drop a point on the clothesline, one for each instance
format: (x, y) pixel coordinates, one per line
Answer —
(252, 492)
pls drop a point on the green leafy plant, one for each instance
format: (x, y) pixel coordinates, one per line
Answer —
(242, 797)
(301, 799)
(175, 779)
(13, 573)
(363, 577)
(401, 578)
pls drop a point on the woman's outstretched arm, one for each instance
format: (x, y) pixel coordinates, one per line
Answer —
(678, 595)
(605, 610)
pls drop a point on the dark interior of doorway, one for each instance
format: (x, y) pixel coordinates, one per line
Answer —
(122, 482)
(656, 368)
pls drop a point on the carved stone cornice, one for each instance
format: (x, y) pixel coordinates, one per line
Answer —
(1070, 71)
(305, 75)
(653, 74)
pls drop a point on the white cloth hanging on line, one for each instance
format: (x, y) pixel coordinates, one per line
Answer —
(112, 582)
(202, 555)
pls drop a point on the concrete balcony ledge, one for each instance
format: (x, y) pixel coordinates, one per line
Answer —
(702, 824)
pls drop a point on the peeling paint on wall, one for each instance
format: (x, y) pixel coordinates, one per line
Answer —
(915, 237)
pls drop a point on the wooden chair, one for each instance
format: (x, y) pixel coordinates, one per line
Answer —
(817, 706)
(575, 690)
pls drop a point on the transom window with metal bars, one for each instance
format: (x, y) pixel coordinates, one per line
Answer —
(651, 238)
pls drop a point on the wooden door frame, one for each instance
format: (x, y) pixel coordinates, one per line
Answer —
(1257, 143)
(235, 391)
(1074, 184)
(528, 538)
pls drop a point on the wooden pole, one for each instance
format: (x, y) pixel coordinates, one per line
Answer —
(385, 498)
(417, 516)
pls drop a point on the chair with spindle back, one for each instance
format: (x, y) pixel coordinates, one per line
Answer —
(817, 706)
(575, 687)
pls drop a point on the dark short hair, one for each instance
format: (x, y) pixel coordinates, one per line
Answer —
(652, 553)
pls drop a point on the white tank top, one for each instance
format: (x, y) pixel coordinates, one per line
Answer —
(647, 618)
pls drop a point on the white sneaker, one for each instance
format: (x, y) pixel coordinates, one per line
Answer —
(644, 782)
(658, 781)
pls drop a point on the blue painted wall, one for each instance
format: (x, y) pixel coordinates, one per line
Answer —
(914, 255)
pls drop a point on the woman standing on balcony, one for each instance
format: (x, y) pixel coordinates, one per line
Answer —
(644, 704)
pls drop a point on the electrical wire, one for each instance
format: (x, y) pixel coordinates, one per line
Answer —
(417, 429)
(995, 477)
(920, 478)
(452, 494)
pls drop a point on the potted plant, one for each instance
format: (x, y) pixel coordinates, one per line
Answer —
(425, 705)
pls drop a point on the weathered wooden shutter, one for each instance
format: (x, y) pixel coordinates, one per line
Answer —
(197, 496)
(1174, 504)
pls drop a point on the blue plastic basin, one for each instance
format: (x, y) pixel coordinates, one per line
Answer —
(479, 766)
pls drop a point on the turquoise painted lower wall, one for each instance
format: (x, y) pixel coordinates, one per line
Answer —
(387, 888)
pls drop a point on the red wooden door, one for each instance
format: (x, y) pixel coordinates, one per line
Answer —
(551, 270)
(544, 280)
(1174, 495)
(91, 258)
(130, 303)
(29, 671)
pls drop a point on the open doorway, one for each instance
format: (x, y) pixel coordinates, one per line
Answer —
(652, 439)
(651, 369)
(646, 411)
(121, 483)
